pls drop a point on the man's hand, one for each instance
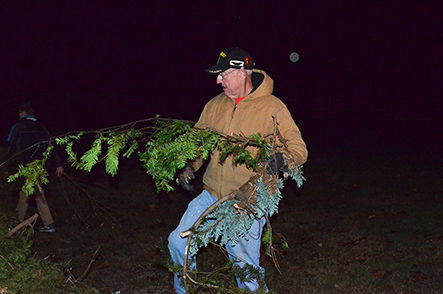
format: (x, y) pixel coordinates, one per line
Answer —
(275, 164)
(59, 171)
(184, 176)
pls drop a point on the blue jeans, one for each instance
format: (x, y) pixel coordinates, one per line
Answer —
(243, 252)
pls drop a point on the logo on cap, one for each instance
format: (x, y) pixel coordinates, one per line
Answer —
(248, 61)
(236, 63)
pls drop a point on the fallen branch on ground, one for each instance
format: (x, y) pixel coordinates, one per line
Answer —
(88, 269)
(24, 223)
(96, 205)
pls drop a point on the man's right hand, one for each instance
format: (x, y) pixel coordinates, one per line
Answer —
(186, 174)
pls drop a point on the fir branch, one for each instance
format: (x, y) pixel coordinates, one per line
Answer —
(168, 146)
(90, 158)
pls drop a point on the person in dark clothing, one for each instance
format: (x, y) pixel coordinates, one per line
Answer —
(28, 140)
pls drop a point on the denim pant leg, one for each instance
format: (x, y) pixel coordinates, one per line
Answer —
(177, 244)
(249, 252)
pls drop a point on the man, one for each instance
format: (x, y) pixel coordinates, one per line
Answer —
(28, 139)
(247, 107)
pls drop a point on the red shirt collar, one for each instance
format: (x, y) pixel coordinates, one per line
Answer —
(237, 100)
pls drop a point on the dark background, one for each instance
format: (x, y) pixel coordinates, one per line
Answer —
(369, 71)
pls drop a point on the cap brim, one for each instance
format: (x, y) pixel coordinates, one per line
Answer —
(215, 70)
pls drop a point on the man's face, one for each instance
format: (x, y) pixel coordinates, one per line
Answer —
(232, 82)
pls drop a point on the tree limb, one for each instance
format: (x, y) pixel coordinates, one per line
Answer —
(91, 263)
(25, 223)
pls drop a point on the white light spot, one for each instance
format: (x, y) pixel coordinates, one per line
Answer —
(294, 57)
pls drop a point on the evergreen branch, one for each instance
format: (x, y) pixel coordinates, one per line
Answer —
(168, 146)
(90, 158)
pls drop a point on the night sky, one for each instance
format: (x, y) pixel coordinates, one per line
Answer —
(364, 65)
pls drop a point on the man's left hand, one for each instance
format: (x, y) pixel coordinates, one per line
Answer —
(59, 171)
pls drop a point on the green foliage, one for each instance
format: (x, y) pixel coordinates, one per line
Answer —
(296, 174)
(116, 143)
(226, 223)
(177, 142)
(268, 197)
(66, 139)
(35, 175)
(168, 147)
(90, 158)
(268, 241)
(173, 146)
(15, 250)
(223, 224)
(236, 147)
(249, 273)
(132, 135)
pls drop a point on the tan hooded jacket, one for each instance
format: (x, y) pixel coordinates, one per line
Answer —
(254, 114)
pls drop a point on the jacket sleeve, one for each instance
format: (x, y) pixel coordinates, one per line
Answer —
(292, 136)
(56, 158)
(54, 154)
(45, 131)
(12, 139)
(198, 162)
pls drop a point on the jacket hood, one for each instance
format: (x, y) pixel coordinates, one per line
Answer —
(262, 84)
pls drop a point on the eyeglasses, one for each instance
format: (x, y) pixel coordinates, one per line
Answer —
(223, 76)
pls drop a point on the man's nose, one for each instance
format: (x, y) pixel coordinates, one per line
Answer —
(219, 79)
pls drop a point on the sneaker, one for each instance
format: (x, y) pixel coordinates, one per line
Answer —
(47, 229)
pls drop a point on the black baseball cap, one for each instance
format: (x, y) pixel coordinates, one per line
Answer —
(231, 58)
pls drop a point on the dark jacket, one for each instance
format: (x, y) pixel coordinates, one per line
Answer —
(28, 139)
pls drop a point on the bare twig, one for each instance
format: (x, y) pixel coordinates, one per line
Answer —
(65, 195)
(189, 233)
(271, 247)
(88, 269)
(93, 201)
(187, 276)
